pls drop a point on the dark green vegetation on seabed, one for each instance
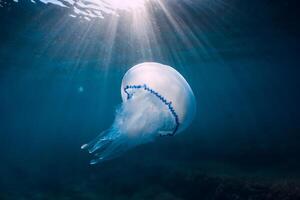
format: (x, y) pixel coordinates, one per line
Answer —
(58, 92)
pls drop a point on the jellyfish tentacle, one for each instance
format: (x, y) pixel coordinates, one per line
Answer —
(97, 143)
(113, 149)
(101, 144)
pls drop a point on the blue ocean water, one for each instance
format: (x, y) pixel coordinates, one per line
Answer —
(60, 80)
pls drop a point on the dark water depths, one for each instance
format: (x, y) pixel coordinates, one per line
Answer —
(60, 85)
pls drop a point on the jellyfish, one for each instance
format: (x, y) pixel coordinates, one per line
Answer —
(157, 101)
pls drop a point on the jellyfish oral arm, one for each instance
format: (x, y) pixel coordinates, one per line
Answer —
(139, 120)
(163, 99)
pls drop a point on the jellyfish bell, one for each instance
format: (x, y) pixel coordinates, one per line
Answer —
(166, 84)
(157, 101)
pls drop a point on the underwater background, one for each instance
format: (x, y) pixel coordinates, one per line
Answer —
(60, 80)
